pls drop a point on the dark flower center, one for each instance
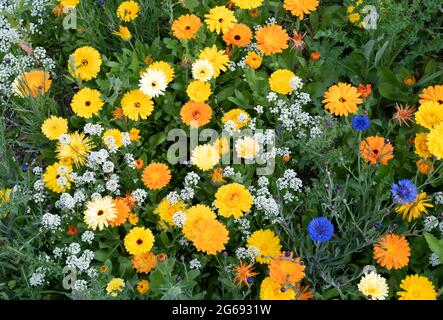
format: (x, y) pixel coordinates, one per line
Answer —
(137, 105)
(187, 28)
(87, 103)
(237, 37)
(100, 212)
(85, 62)
(139, 241)
(341, 100)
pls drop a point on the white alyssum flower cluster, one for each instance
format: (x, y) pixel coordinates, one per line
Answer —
(289, 183)
(50, 222)
(195, 264)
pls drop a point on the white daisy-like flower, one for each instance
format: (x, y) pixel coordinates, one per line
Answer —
(373, 286)
(202, 70)
(153, 83)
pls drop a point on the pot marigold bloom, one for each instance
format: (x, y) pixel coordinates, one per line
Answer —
(116, 137)
(202, 70)
(299, 8)
(123, 211)
(239, 35)
(286, 158)
(99, 212)
(186, 27)
(272, 290)
(205, 157)
(272, 39)
(71, 230)
(58, 10)
(243, 274)
(409, 80)
(253, 60)
(136, 105)
(209, 236)
(429, 114)
(315, 55)
(342, 99)
(425, 166)
(133, 219)
(233, 200)
(32, 83)
(267, 244)
(57, 177)
(286, 270)
(165, 68)
(247, 4)
(421, 145)
(156, 176)
(222, 145)
(5, 195)
(404, 114)
(435, 141)
(364, 90)
(139, 164)
(194, 215)
(104, 269)
(237, 116)
(376, 149)
(134, 135)
(392, 251)
(199, 91)
(85, 63)
(413, 210)
(144, 262)
(139, 240)
(373, 286)
(124, 33)
(166, 210)
(247, 148)
(217, 176)
(118, 113)
(153, 83)
(87, 103)
(115, 286)
(54, 127)
(128, 10)
(416, 287)
(142, 286)
(217, 58)
(196, 114)
(432, 94)
(69, 3)
(76, 151)
(279, 81)
(162, 257)
(220, 19)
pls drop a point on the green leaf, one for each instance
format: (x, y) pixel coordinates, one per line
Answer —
(191, 4)
(428, 78)
(392, 92)
(435, 245)
(101, 255)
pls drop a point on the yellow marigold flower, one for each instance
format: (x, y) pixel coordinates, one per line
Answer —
(210, 236)
(286, 270)
(128, 10)
(165, 68)
(156, 176)
(194, 215)
(392, 251)
(279, 81)
(350, 9)
(199, 91)
(205, 157)
(236, 115)
(57, 177)
(186, 27)
(425, 166)
(99, 212)
(254, 60)
(32, 83)
(87, 103)
(134, 135)
(142, 286)
(5, 195)
(85, 63)
(144, 262)
(299, 8)
(342, 99)
(413, 210)
(432, 93)
(272, 39)
(429, 114)
(124, 33)
(416, 287)
(217, 58)
(435, 141)
(421, 145)
(220, 19)
(272, 290)
(133, 219)
(76, 151)
(233, 200)
(69, 3)
(166, 211)
(248, 4)
(373, 286)
(354, 18)
(139, 240)
(115, 286)
(53, 127)
(137, 105)
(115, 134)
(267, 244)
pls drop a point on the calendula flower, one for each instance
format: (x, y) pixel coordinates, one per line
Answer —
(124, 33)
(279, 81)
(217, 58)
(87, 103)
(244, 274)
(115, 286)
(299, 8)
(220, 19)
(209, 236)
(376, 149)
(144, 262)
(272, 290)
(409, 80)
(186, 26)
(199, 91)
(205, 157)
(253, 60)
(166, 210)
(85, 63)
(128, 11)
(392, 251)
(142, 286)
(342, 99)
(272, 39)
(435, 141)
(32, 83)
(286, 270)
(236, 116)
(267, 244)
(421, 145)
(413, 210)
(222, 145)
(196, 114)
(247, 147)
(233, 200)
(134, 135)
(99, 212)
(239, 35)
(373, 286)
(432, 94)
(202, 70)
(115, 134)
(153, 83)
(248, 4)
(54, 127)
(5, 195)
(123, 211)
(416, 287)
(425, 166)
(156, 176)
(429, 114)
(217, 176)
(137, 105)
(69, 3)
(165, 67)
(76, 151)
(315, 55)
(57, 177)
(139, 240)
(364, 90)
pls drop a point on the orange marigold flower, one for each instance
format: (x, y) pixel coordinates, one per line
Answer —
(299, 8)
(239, 35)
(425, 166)
(315, 55)
(253, 60)
(144, 262)
(196, 114)
(134, 135)
(432, 93)
(286, 270)
(129, 199)
(72, 230)
(33, 83)
(122, 212)
(139, 164)
(217, 176)
(364, 90)
(376, 149)
(133, 219)
(303, 293)
(409, 80)
(243, 273)
(272, 39)
(156, 176)
(392, 251)
(118, 113)
(186, 26)
(286, 158)
(342, 99)
(161, 257)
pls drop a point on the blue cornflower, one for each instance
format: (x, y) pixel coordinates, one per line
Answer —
(361, 123)
(404, 191)
(24, 167)
(101, 2)
(320, 229)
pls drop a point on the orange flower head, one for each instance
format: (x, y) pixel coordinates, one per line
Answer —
(254, 12)
(129, 199)
(254, 60)
(196, 114)
(217, 176)
(425, 166)
(286, 270)
(118, 113)
(364, 90)
(239, 35)
(303, 293)
(144, 262)
(297, 41)
(161, 257)
(409, 80)
(315, 55)
(186, 27)
(33, 83)
(404, 114)
(272, 39)
(376, 149)
(139, 164)
(432, 94)
(156, 176)
(392, 251)
(134, 135)
(148, 60)
(286, 158)
(244, 274)
(122, 212)
(72, 230)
